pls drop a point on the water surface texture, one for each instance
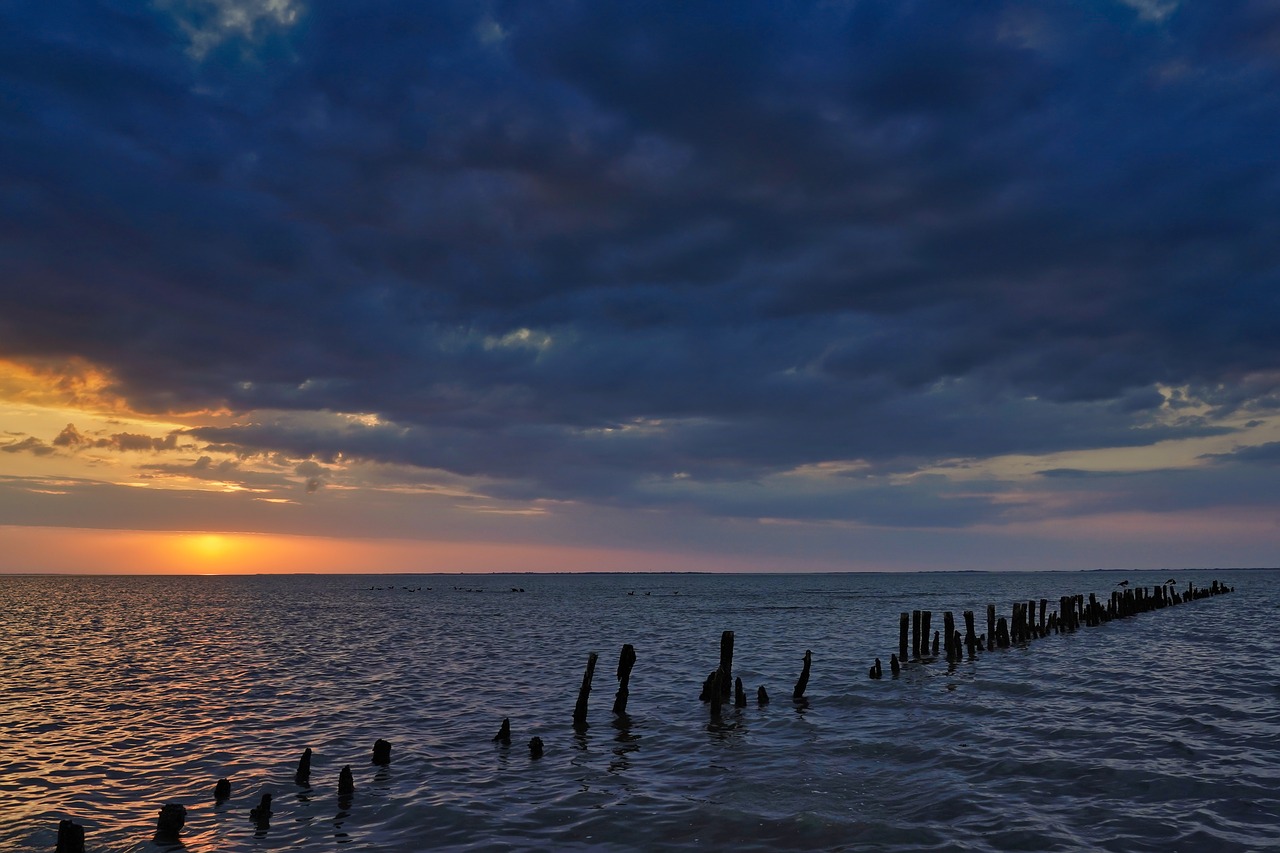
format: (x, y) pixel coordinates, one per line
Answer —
(118, 695)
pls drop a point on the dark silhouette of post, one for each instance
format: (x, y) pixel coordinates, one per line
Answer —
(170, 822)
(504, 732)
(535, 747)
(895, 666)
(739, 694)
(261, 813)
(798, 693)
(926, 616)
(904, 625)
(303, 774)
(221, 791)
(762, 695)
(346, 784)
(381, 752)
(915, 634)
(70, 837)
(626, 660)
(580, 711)
(726, 662)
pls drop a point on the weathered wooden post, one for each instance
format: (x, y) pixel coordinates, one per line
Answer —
(1044, 627)
(504, 732)
(876, 671)
(798, 693)
(949, 625)
(904, 624)
(381, 752)
(626, 660)
(991, 627)
(915, 633)
(261, 813)
(715, 694)
(726, 662)
(762, 696)
(895, 666)
(346, 783)
(580, 711)
(70, 837)
(535, 747)
(302, 776)
(970, 635)
(926, 616)
(170, 822)
(739, 694)
(221, 790)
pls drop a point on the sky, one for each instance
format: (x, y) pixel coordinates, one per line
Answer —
(288, 285)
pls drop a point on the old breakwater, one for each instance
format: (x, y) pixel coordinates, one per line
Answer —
(561, 745)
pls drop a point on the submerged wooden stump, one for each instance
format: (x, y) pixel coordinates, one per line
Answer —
(970, 635)
(261, 813)
(381, 752)
(535, 747)
(739, 694)
(894, 665)
(580, 711)
(803, 682)
(221, 790)
(303, 774)
(346, 784)
(504, 732)
(170, 822)
(70, 837)
(875, 671)
(762, 696)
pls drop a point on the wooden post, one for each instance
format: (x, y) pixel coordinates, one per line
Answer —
(949, 625)
(346, 784)
(798, 693)
(70, 837)
(580, 711)
(626, 660)
(991, 627)
(535, 747)
(221, 791)
(904, 623)
(726, 662)
(170, 822)
(1044, 628)
(926, 616)
(261, 813)
(303, 774)
(894, 664)
(876, 671)
(381, 752)
(915, 634)
(739, 694)
(762, 696)
(970, 635)
(504, 732)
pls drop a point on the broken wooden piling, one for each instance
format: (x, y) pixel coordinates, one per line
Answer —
(798, 693)
(169, 823)
(626, 660)
(70, 837)
(221, 790)
(504, 732)
(580, 710)
(302, 776)
(381, 752)
(726, 663)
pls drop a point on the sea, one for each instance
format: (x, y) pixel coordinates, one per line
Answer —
(119, 695)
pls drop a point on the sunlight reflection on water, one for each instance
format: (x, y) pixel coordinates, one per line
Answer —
(122, 694)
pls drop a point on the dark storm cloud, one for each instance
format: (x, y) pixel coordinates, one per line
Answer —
(741, 237)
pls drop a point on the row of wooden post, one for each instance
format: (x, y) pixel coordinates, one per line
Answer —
(1025, 623)
(1028, 622)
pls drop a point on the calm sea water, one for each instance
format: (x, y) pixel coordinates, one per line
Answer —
(117, 695)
